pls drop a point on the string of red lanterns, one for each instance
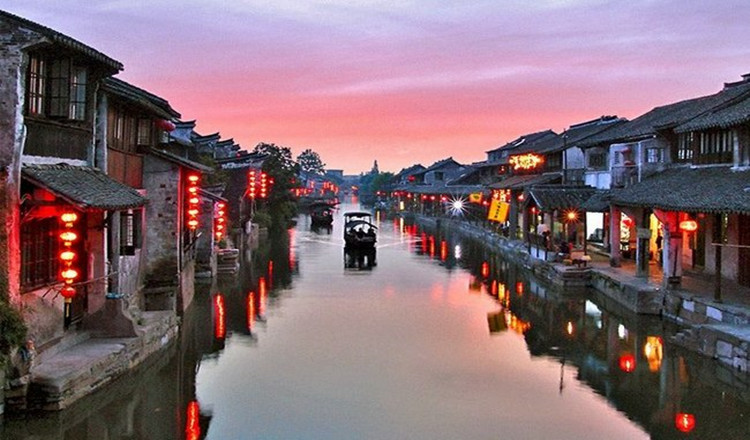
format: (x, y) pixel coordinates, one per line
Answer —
(220, 220)
(67, 256)
(194, 200)
(258, 184)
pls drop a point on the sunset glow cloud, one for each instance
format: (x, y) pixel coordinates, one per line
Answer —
(408, 81)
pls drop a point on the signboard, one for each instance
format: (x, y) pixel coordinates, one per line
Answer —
(525, 161)
(498, 211)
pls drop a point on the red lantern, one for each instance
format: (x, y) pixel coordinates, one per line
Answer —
(684, 422)
(688, 225)
(627, 363)
(193, 201)
(165, 124)
(68, 292)
(252, 191)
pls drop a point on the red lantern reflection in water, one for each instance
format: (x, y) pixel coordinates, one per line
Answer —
(684, 422)
(192, 421)
(220, 323)
(250, 311)
(263, 296)
(627, 363)
(443, 250)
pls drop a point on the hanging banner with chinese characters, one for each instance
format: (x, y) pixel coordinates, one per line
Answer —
(498, 211)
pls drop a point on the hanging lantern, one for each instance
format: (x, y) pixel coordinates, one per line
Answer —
(165, 124)
(219, 220)
(688, 226)
(252, 191)
(627, 363)
(684, 422)
(68, 273)
(68, 292)
(193, 201)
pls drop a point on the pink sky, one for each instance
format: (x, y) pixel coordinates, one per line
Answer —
(407, 81)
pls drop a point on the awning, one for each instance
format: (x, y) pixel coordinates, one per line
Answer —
(551, 198)
(705, 189)
(598, 202)
(85, 187)
(523, 181)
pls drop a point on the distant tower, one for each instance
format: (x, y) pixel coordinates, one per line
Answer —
(375, 168)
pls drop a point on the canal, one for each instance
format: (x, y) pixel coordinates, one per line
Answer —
(432, 338)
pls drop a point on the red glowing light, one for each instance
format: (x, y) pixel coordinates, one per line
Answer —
(519, 288)
(67, 256)
(627, 363)
(263, 296)
(684, 422)
(69, 217)
(443, 250)
(192, 421)
(485, 269)
(193, 178)
(250, 311)
(220, 323)
(68, 236)
(69, 275)
(68, 292)
(689, 225)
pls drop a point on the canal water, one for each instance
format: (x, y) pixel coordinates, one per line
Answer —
(433, 337)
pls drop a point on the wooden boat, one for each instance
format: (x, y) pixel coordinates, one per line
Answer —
(321, 214)
(359, 231)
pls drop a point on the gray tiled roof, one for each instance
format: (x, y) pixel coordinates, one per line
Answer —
(143, 98)
(668, 116)
(525, 180)
(521, 140)
(182, 161)
(724, 117)
(85, 187)
(718, 189)
(559, 197)
(65, 41)
(598, 202)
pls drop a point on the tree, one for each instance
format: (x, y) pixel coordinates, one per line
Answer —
(280, 167)
(309, 162)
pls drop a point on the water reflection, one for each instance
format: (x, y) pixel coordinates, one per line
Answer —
(360, 259)
(490, 353)
(623, 357)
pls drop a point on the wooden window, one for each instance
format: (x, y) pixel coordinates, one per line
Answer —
(56, 88)
(685, 147)
(554, 162)
(78, 94)
(130, 231)
(59, 81)
(654, 155)
(144, 132)
(598, 160)
(37, 84)
(39, 252)
(715, 147)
